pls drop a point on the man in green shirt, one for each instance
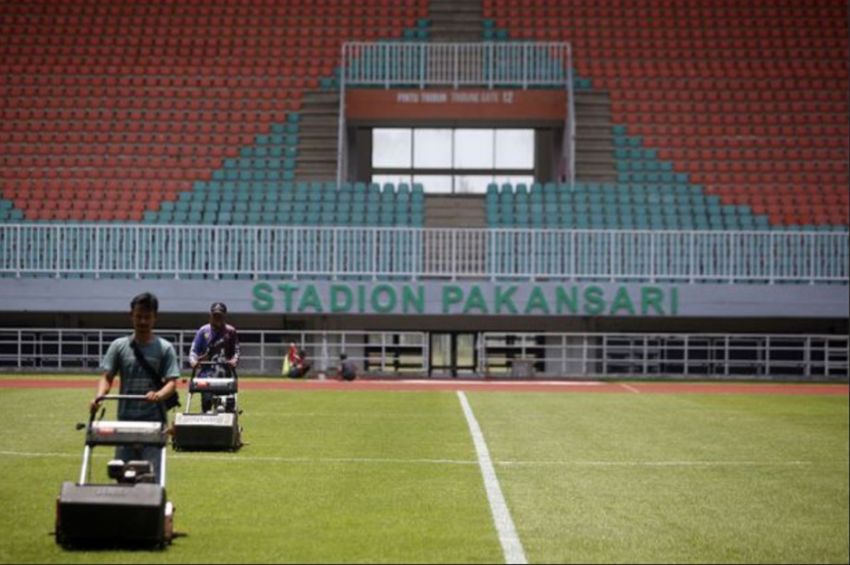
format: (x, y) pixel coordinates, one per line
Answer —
(135, 379)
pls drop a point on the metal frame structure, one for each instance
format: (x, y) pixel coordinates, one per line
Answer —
(293, 252)
(516, 64)
(549, 355)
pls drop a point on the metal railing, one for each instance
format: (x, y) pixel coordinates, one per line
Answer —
(486, 64)
(649, 355)
(568, 154)
(341, 136)
(261, 351)
(496, 354)
(516, 64)
(253, 252)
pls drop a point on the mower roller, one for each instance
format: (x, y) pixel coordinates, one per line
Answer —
(133, 511)
(218, 428)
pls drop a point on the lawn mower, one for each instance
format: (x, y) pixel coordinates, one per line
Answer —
(132, 511)
(217, 427)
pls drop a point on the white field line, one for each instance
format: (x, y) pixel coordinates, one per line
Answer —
(234, 458)
(508, 537)
(629, 388)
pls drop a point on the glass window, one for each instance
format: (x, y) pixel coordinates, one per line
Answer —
(441, 184)
(470, 158)
(514, 148)
(394, 179)
(432, 148)
(472, 184)
(391, 147)
(410, 339)
(473, 149)
(514, 179)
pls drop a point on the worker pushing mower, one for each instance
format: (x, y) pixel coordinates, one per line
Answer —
(134, 510)
(217, 344)
(213, 358)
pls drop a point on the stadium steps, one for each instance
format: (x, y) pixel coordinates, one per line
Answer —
(594, 140)
(454, 212)
(319, 131)
(455, 20)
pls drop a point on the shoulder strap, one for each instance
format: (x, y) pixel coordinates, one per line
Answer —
(155, 376)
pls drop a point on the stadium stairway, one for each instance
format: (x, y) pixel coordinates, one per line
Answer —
(455, 20)
(455, 211)
(594, 159)
(320, 132)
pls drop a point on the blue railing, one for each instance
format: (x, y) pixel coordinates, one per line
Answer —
(252, 252)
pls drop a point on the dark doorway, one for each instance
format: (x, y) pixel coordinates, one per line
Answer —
(453, 354)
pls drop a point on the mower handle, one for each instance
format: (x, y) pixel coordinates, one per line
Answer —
(137, 397)
(207, 364)
(121, 397)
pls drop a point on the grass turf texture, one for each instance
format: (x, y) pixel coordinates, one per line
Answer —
(674, 478)
(391, 477)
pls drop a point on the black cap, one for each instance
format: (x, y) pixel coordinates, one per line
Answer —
(218, 308)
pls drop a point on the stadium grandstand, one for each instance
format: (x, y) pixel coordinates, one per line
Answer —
(464, 188)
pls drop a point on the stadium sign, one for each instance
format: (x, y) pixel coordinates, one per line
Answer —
(503, 298)
(466, 299)
(375, 106)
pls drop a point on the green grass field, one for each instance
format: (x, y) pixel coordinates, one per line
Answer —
(352, 476)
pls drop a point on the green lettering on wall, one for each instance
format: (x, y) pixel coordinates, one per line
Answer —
(537, 301)
(361, 299)
(263, 299)
(338, 290)
(569, 300)
(310, 299)
(475, 300)
(452, 294)
(651, 296)
(386, 306)
(506, 299)
(674, 301)
(622, 301)
(594, 303)
(411, 302)
(480, 299)
(287, 290)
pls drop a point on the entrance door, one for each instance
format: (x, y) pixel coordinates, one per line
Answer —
(453, 354)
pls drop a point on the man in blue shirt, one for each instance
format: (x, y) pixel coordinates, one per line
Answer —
(215, 341)
(135, 379)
